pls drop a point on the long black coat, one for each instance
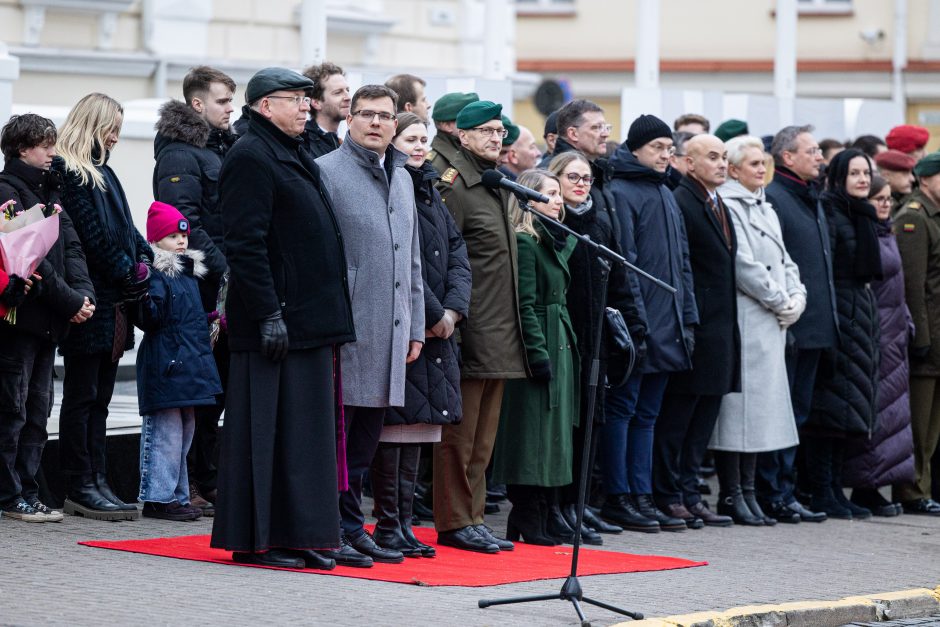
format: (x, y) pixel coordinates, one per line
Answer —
(432, 382)
(112, 245)
(716, 361)
(653, 237)
(846, 393)
(806, 236)
(290, 252)
(65, 283)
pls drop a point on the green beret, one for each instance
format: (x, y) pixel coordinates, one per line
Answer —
(512, 132)
(929, 165)
(731, 128)
(272, 79)
(477, 113)
(447, 107)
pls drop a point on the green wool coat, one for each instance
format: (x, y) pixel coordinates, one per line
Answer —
(534, 441)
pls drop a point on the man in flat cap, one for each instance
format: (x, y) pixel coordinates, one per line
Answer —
(909, 139)
(917, 228)
(446, 144)
(897, 169)
(288, 312)
(491, 343)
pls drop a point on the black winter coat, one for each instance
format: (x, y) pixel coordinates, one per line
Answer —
(188, 154)
(65, 283)
(845, 398)
(653, 237)
(432, 384)
(290, 254)
(112, 245)
(716, 361)
(806, 236)
(317, 141)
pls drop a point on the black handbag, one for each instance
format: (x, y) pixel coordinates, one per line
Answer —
(621, 352)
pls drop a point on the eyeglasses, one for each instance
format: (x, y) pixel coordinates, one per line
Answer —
(574, 177)
(601, 128)
(663, 149)
(367, 115)
(881, 200)
(488, 132)
(296, 99)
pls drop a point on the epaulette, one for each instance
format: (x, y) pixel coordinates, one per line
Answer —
(432, 154)
(914, 204)
(449, 175)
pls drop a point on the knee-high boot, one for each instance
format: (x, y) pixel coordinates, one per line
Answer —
(407, 480)
(819, 467)
(748, 477)
(384, 474)
(528, 515)
(730, 495)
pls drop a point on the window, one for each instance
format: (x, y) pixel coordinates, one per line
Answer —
(545, 7)
(824, 7)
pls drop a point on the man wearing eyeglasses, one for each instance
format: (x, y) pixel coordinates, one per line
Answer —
(491, 342)
(653, 236)
(373, 198)
(793, 194)
(288, 309)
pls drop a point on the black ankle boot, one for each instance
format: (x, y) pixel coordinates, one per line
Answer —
(101, 480)
(527, 518)
(858, 512)
(732, 504)
(824, 500)
(557, 527)
(407, 481)
(870, 498)
(384, 475)
(748, 477)
(588, 534)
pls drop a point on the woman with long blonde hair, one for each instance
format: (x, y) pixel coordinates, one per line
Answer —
(118, 263)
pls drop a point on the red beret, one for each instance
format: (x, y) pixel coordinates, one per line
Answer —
(894, 160)
(907, 137)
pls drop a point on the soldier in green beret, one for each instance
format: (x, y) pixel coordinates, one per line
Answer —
(917, 229)
(491, 342)
(731, 128)
(512, 134)
(445, 144)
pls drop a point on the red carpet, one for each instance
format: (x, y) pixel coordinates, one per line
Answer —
(451, 567)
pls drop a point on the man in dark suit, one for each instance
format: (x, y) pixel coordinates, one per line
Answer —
(693, 398)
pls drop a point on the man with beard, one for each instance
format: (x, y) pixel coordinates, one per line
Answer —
(329, 104)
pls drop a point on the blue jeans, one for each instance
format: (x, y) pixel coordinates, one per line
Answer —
(627, 442)
(165, 437)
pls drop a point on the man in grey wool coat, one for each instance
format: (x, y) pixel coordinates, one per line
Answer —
(373, 198)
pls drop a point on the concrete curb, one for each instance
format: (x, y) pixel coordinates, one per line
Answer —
(914, 603)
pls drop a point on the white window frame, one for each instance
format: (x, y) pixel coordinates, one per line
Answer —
(825, 7)
(546, 7)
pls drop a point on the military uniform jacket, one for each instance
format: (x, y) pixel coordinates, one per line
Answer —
(444, 148)
(491, 342)
(917, 228)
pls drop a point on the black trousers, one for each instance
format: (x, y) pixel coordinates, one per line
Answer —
(685, 425)
(86, 393)
(203, 458)
(363, 429)
(26, 364)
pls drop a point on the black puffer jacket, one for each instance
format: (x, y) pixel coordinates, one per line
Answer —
(65, 284)
(189, 156)
(432, 387)
(317, 141)
(845, 399)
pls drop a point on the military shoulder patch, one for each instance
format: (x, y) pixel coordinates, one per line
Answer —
(449, 175)
(174, 179)
(908, 228)
(431, 155)
(914, 205)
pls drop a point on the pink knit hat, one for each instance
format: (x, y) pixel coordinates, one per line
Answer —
(163, 220)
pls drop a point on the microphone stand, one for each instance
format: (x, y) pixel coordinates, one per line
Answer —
(571, 589)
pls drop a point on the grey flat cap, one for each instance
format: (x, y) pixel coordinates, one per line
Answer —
(272, 79)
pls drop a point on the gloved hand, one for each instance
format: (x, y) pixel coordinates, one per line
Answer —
(688, 336)
(792, 312)
(541, 370)
(274, 337)
(136, 283)
(641, 351)
(15, 292)
(920, 352)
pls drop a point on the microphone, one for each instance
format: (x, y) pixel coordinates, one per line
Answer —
(494, 179)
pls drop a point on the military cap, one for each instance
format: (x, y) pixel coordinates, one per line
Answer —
(512, 132)
(272, 79)
(929, 165)
(895, 160)
(477, 113)
(731, 128)
(907, 137)
(449, 105)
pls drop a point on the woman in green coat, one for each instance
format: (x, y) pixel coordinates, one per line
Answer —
(533, 452)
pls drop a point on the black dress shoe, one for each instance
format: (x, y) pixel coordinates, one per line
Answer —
(487, 534)
(922, 506)
(467, 539)
(588, 534)
(278, 558)
(783, 514)
(805, 514)
(367, 546)
(620, 509)
(314, 560)
(347, 556)
(592, 520)
(644, 505)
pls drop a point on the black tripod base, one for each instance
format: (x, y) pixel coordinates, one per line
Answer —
(570, 591)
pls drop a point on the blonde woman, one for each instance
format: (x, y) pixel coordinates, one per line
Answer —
(533, 452)
(118, 263)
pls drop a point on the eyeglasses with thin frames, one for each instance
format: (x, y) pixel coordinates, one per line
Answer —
(598, 128)
(296, 99)
(489, 132)
(367, 115)
(662, 149)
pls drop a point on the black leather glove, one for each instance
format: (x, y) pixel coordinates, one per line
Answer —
(688, 336)
(640, 351)
(920, 352)
(274, 337)
(15, 292)
(136, 282)
(541, 370)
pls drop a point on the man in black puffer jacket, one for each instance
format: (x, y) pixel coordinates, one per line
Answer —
(192, 139)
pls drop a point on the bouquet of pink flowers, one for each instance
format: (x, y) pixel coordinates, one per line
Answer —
(26, 237)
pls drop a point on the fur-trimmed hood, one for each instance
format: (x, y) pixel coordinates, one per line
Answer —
(179, 122)
(171, 264)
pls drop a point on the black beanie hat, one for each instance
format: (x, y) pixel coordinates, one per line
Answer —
(645, 129)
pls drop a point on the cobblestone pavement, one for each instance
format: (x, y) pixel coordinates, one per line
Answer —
(46, 578)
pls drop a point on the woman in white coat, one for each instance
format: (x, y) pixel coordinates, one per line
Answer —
(770, 299)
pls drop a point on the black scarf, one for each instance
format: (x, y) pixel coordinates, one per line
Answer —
(864, 218)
